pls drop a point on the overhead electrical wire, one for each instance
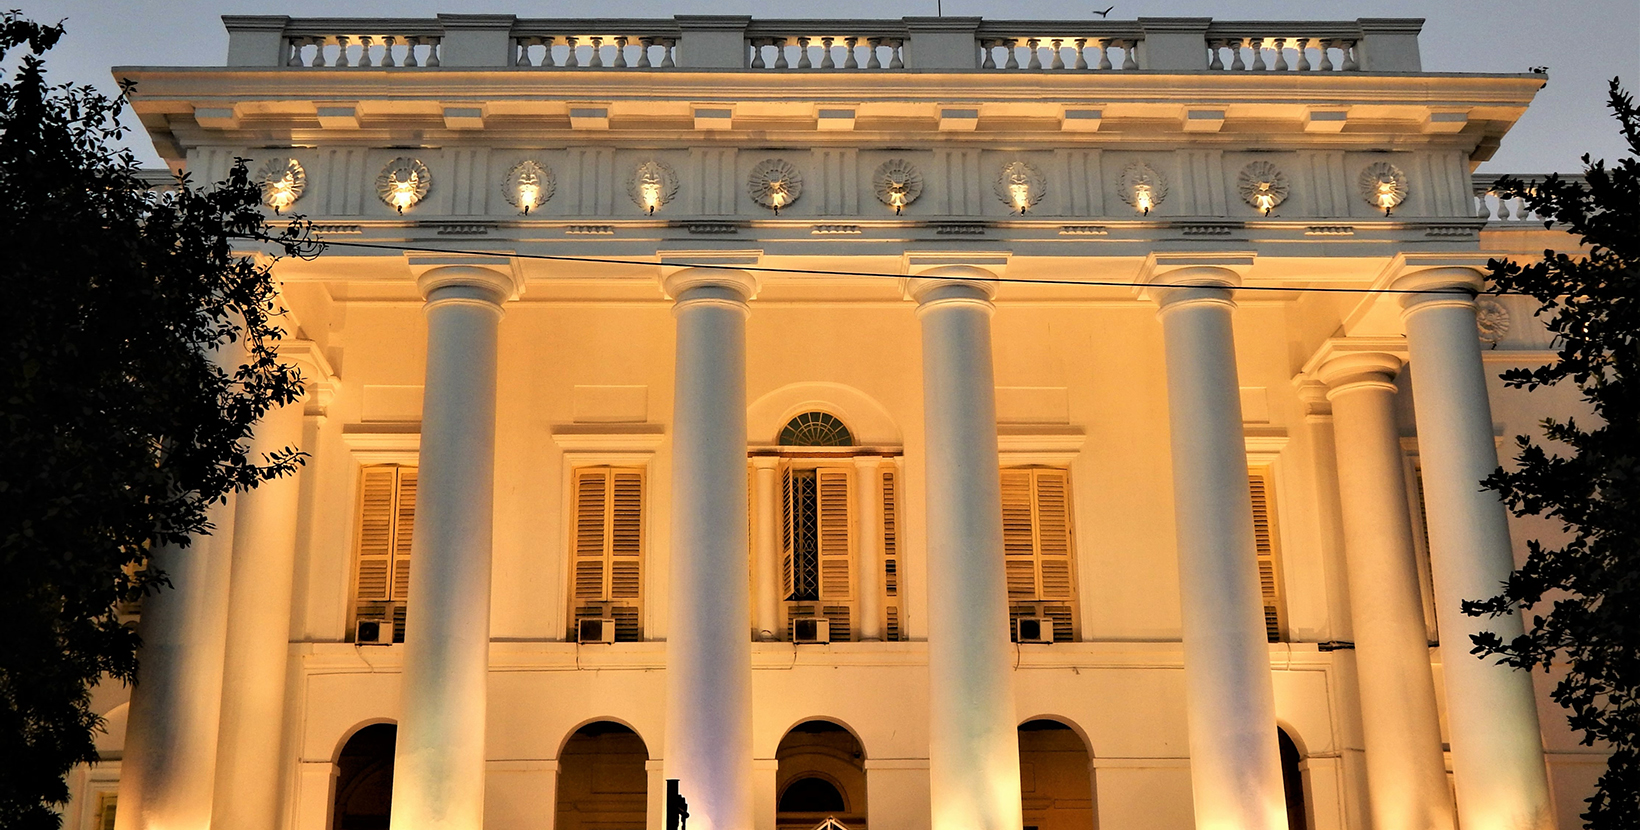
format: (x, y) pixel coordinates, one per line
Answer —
(831, 273)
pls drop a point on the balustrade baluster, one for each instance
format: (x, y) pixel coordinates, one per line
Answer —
(1281, 54)
(827, 60)
(850, 61)
(1130, 56)
(644, 45)
(1303, 54)
(597, 60)
(1326, 58)
(1104, 53)
(433, 44)
(1081, 54)
(1236, 63)
(1034, 46)
(873, 61)
(1257, 44)
(573, 59)
(365, 43)
(756, 45)
(1013, 54)
(1350, 63)
(987, 49)
(896, 54)
(668, 53)
(803, 61)
(293, 52)
(319, 51)
(410, 44)
(1213, 47)
(1058, 53)
(388, 42)
(546, 52)
(620, 53)
(341, 50)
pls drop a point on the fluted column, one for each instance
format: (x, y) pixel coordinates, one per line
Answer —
(1235, 765)
(766, 548)
(1406, 774)
(973, 751)
(249, 768)
(868, 534)
(167, 771)
(708, 655)
(438, 773)
(1497, 749)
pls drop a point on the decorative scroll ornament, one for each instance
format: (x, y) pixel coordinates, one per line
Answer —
(403, 183)
(1384, 186)
(898, 183)
(1020, 186)
(283, 181)
(1491, 320)
(1263, 186)
(652, 185)
(528, 185)
(774, 184)
(1142, 187)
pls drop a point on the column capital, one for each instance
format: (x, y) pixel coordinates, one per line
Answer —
(722, 273)
(1449, 281)
(1173, 280)
(952, 285)
(1345, 363)
(319, 380)
(492, 279)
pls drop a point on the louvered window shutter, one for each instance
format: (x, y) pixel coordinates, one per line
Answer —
(1053, 533)
(788, 535)
(835, 550)
(609, 544)
(387, 518)
(892, 629)
(1264, 540)
(1018, 536)
(1037, 546)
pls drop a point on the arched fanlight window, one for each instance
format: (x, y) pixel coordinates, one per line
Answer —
(815, 429)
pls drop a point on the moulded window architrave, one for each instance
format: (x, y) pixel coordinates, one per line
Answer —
(371, 449)
(1052, 449)
(629, 449)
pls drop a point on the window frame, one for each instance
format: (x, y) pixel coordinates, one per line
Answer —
(635, 447)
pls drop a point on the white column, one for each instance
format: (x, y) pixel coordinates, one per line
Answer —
(1235, 766)
(249, 767)
(1497, 750)
(766, 552)
(438, 773)
(973, 752)
(1406, 774)
(868, 533)
(167, 771)
(708, 652)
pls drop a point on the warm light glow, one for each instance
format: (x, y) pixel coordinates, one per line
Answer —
(1142, 198)
(896, 197)
(777, 195)
(529, 192)
(1385, 194)
(651, 190)
(404, 192)
(1020, 192)
(1264, 200)
(280, 193)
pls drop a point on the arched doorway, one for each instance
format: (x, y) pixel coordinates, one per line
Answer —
(364, 780)
(1055, 777)
(1292, 781)
(602, 780)
(820, 774)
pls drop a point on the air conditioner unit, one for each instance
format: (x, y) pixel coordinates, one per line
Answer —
(595, 630)
(811, 630)
(1033, 629)
(373, 632)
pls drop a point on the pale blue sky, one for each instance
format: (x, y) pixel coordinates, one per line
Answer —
(1583, 42)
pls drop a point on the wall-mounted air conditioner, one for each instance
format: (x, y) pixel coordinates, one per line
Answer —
(373, 632)
(595, 630)
(811, 630)
(1033, 629)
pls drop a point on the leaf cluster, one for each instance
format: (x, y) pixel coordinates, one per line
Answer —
(137, 349)
(1590, 583)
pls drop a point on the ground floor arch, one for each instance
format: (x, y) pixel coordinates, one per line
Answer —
(1055, 777)
(603, 782)
(820, 774)
(364, 779)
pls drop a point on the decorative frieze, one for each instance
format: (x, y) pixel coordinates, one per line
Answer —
(1020, 186)
(774, 184)
(403, 183)
(1262, 185)
(652, 185)
(590, 230)
(282, 180)
(1383, 186)
(898, 183)
(1491, 320)
(529, 184)
(1142, 187)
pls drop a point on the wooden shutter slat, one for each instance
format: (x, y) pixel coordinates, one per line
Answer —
(404, 524)
(591, 536)
(1264, 542)
(788, 535)
(375, 554)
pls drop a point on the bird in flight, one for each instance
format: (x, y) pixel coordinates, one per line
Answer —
(1105, 13)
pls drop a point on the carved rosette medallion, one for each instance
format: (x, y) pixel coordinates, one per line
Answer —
(898, 183)
(529, 184)
(1142, 187)
(774, 184)
(1021, 186)
(1383, 185)
(653, 184)
(1491, 320)
(403, 183)
(282, 181)
(1262, 185)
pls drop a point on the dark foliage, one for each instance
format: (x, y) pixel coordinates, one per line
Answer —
(136, 350)
(1590, 583)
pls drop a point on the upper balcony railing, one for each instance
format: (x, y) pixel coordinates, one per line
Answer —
(1493, 207)
(719, 42)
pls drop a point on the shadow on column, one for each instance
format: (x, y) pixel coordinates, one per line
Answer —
(602, 782)
(364, 782)
(1055, 777)
(821, 774)
(1292, 780)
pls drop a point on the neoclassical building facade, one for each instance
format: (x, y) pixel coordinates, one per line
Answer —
(923, 423)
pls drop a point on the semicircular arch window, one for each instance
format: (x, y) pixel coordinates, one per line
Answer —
(815, 429)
